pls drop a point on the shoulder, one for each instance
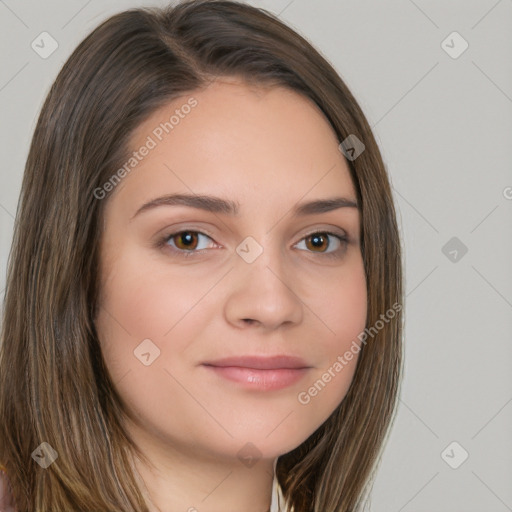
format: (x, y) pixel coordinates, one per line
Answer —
(6, 499)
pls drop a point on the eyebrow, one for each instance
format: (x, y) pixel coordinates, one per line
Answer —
(218, 205)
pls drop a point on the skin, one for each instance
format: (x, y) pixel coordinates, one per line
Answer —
(268, 149)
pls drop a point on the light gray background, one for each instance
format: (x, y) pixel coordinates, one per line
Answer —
(444, 126)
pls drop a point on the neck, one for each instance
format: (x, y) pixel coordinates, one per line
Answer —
(178, 478)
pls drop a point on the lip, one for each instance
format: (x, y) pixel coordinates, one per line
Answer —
(261, 362)
(260, 373)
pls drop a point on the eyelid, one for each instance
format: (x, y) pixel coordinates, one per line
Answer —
(339, 233)
(329, 230)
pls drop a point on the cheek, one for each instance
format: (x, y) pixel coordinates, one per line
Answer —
(340, 306)
(148, 317)
(147, 298)
(341, 309)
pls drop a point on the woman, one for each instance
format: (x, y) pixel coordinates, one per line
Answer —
(140, 373)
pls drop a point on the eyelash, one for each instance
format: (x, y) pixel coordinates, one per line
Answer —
(162, 243)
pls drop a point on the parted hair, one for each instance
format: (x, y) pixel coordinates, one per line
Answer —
(54, 384)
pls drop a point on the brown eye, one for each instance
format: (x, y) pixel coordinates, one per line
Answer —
(184, 243)
(185, 239)
(317, 241)
(320, 243)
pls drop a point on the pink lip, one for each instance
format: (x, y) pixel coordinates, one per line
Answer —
(261, 373)
(261, 362)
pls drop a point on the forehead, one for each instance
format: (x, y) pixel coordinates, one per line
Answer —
(250, 142)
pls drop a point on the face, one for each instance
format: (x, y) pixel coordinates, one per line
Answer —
(187, 283)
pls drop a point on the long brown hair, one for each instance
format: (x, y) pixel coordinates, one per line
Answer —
(54, 385)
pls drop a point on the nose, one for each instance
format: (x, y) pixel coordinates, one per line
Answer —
(263, 293)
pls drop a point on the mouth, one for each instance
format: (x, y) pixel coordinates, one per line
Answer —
(260, 373)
